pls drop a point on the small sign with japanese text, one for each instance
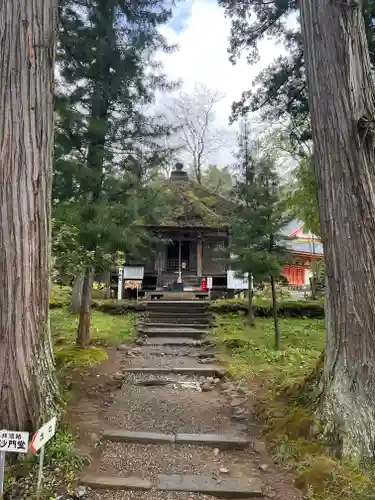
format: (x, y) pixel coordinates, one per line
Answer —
(14, 441)
(43, 435)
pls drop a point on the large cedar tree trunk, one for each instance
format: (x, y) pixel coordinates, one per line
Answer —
(28, 387)
(341, 100)
(84, 326)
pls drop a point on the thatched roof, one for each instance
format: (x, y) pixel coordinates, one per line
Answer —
(189, 204)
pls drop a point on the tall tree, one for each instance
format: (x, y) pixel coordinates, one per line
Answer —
(105, 142)
(302, 196)
(28, 386)
(341, 91)
(281, 88)
(193, 115)
(258, 246)
(218, 180)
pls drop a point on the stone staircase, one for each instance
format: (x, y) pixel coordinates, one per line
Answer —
(164, 451)
(190, 318)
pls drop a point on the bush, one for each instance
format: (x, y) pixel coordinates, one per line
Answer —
(116, 308)
(262, 308)
(286, 309)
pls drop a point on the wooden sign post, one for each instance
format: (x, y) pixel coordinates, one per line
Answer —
(40, 439)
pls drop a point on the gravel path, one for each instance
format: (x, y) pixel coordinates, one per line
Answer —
(178, 406)
(171, 408)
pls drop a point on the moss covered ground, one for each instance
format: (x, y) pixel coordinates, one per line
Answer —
(276, 379)
(106, 331)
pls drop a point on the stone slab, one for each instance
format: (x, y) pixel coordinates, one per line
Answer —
(217, 440)
(175, 329)
(205, 370)
(115, 483)
(164, 371)
(152, 325)
(123, 436)
(175, 341)
(223, 488)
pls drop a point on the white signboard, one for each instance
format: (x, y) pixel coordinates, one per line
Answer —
(120, 283)
(14, 441)
(209, 283)
(134, 272)
(43, 435)
(234, 283)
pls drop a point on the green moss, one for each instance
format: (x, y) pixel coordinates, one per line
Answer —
(106, 331)
(75, 357)
(251, 351)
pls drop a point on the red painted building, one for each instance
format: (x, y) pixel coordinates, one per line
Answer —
(305, 247)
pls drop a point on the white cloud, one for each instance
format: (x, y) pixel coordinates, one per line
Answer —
(203, 57)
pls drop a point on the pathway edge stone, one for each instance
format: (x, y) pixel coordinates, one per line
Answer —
(123, 436)
(220, 488)
(115, 482)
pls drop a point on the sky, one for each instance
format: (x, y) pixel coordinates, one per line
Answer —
(200, 29)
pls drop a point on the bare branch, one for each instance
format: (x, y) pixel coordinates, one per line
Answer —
(194, 118)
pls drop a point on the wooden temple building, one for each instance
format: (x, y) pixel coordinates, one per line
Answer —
(191, 238)
(191, 242)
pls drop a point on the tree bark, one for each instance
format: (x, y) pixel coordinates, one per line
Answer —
(28, 387)
(84, 325)
(341, 99)
(77, 290)
(274, 313)
(250, 313)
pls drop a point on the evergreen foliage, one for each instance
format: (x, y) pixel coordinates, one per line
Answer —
(106, 145)
(281, 87)
(258, 245)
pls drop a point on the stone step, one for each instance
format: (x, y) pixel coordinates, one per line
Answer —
(179, 321)
(221, 441)
(173, 313)
(115, 482)
(205, 370)
(235, 488)
(173, 326)
(177, 341)
(122, 436)
(223, 488)
(171, 332)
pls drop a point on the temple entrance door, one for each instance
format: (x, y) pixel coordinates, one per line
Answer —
(178, 256)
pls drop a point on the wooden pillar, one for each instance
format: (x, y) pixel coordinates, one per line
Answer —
(199, 258)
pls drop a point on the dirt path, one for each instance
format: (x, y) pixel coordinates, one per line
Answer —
(155, 419)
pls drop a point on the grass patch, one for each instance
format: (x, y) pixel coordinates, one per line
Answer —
(289, 425)
(250, 351)
(106, 331)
